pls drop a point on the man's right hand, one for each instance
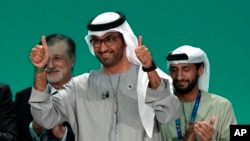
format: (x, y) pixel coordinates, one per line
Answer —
(190, 134)
(39, 55)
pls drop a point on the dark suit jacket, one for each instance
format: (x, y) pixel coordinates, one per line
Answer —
(7, 115)
(24, 118)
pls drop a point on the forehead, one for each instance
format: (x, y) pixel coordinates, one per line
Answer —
(182, 65)
(105, 35)
(58, 48)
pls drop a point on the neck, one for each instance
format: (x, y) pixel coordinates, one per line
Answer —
(188, 97)
(59, 85)
(121, 67)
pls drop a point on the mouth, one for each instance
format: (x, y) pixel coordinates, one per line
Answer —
(181, 83)
(52, 71)
(106, 55)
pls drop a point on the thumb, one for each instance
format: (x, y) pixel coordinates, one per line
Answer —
(45, 46)
(212, 121)
(46, 50)
(139, 41)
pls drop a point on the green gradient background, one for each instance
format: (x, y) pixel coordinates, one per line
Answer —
(220, 27)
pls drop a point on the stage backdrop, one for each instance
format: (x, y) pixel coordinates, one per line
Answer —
(219, 27)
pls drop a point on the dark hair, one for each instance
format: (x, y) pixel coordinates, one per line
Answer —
(54, 38)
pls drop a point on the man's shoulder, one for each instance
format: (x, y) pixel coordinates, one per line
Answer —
(81, 77)
(26, 91)
(218, 99)
(5, 90)
(3, 85)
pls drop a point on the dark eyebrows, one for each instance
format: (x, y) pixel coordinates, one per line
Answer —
(182, 67)
(93, 37)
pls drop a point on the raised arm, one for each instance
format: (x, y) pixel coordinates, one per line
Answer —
(159, 93)
(148, 64)
(39, 57)
(43, 108)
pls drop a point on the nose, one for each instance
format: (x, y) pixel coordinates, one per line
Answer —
(103, 47)
(50, 64)
(179, 75)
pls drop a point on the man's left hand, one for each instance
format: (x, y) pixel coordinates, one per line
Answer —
(143, 54)
(204, 130)
(59, 131)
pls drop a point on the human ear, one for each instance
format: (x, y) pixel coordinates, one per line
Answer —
(201, 70)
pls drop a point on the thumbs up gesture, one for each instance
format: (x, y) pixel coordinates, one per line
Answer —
(143, 54)
(39, 54)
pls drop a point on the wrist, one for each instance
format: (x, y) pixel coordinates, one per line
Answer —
(153, 67)
(39, 70)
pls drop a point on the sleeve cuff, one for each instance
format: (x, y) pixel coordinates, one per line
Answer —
(38, 96)
(161, 92)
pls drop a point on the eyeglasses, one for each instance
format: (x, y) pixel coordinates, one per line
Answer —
(109, 41)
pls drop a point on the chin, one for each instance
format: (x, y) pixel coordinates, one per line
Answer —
(183, 91)
(107, 64)
(54, 79)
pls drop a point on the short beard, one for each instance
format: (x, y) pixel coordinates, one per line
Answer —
(55, 79)
(190, 87)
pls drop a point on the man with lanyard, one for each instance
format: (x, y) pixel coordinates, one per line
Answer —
(204, 116)
(119, 102)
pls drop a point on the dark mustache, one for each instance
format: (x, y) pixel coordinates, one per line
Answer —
(106, 51)
(177, 81)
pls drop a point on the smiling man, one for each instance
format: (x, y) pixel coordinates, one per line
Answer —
(61, 53)
(122, 101)
(204, 116)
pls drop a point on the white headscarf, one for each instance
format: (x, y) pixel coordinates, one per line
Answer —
(195, 55)
(147, 113)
